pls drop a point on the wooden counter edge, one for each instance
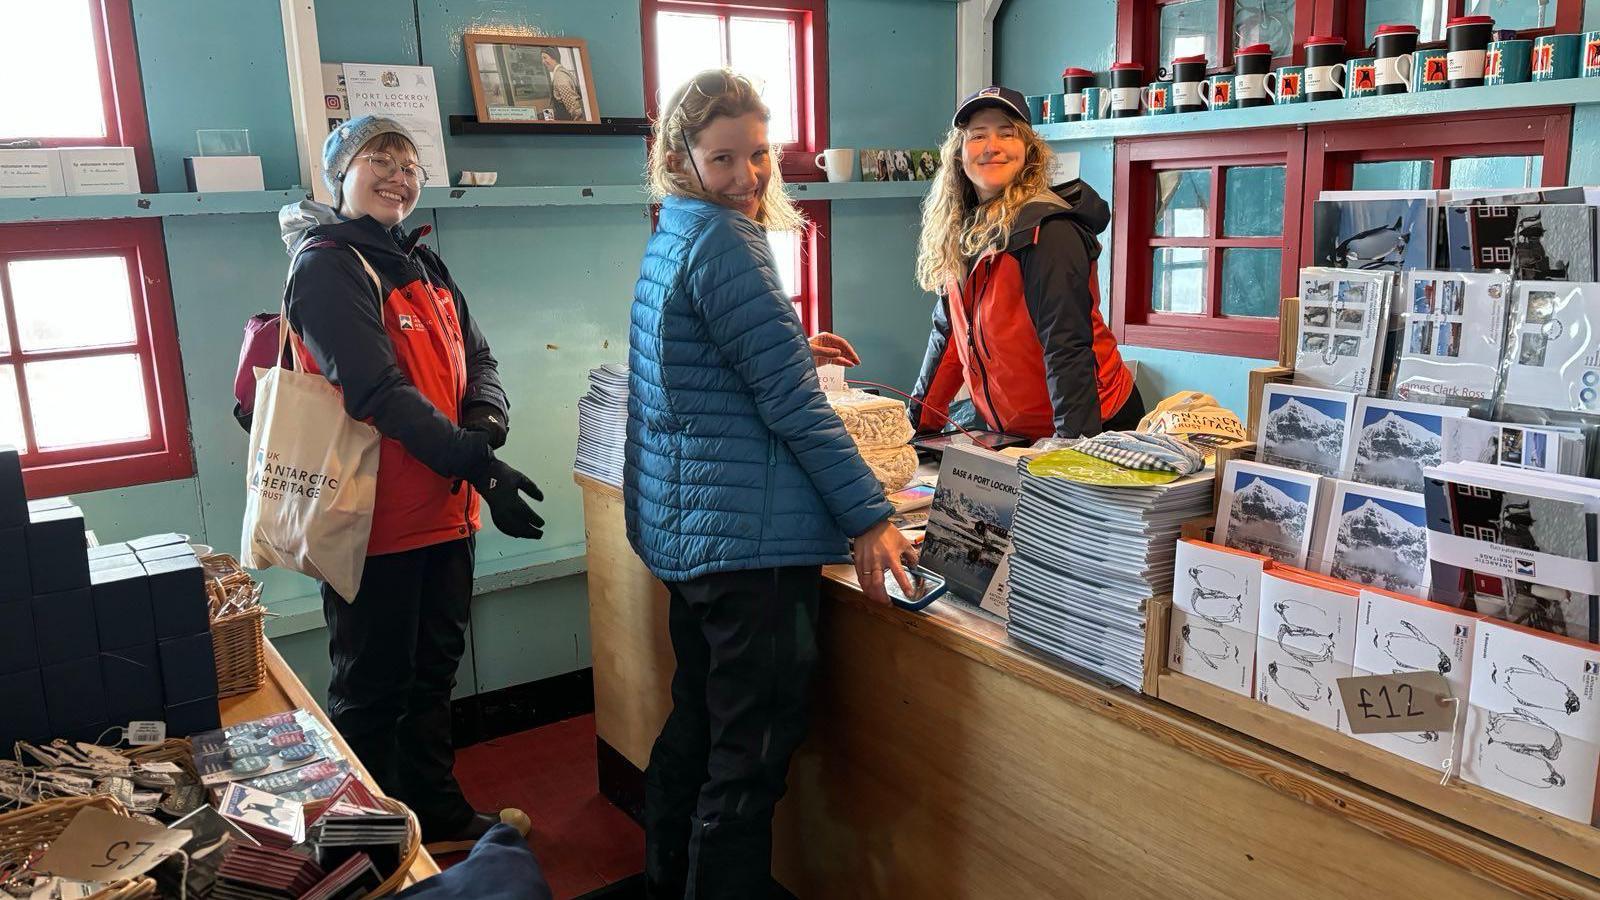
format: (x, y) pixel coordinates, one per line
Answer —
(282, 691)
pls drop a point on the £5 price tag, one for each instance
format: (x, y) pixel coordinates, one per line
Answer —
(102, 846)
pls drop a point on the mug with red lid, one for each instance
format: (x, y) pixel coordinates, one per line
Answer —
(1252, 64)
(1324, 68)
(1073, 81)
(1395, 48)
(1127, 89)
(1188, 74)
(1468, 40)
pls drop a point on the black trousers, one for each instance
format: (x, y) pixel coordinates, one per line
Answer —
(1127, 418)
(395, 650)
(746, 645)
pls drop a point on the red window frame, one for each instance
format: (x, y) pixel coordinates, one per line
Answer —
(164, 455)
(1349, 18)
(810, 20)
(121, 94)
(1137, 162)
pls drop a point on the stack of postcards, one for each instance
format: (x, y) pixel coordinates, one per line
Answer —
(603, 424)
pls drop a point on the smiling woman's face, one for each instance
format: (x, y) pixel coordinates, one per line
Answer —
(992, 152)
(377, 184)
(734, 161)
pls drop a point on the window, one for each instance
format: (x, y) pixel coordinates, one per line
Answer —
(1210, 241)
(1529, 17)
(779, 44)
(94, 97)
(804, 267)
(90, 388)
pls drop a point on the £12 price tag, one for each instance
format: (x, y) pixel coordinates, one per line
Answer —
(1401, 702)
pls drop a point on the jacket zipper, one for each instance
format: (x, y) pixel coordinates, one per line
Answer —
(772, 471)
(972, 344)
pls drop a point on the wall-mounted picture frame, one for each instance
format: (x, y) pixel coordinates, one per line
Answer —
(529, 78)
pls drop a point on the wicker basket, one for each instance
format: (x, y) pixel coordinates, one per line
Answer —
(237, 617)
(408, 853)
(26, 830)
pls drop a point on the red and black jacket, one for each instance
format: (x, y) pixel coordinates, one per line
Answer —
(410, 365)
(1023, 330)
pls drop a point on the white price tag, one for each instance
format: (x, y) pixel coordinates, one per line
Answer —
(142, 734)
(1402, 702)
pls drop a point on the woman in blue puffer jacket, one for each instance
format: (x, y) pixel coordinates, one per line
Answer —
(741, 483)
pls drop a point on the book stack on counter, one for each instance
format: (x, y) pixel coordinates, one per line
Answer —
(603, 424)
(1085, 560)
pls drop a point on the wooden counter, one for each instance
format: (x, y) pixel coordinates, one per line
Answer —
(283, 692)
(946, 761)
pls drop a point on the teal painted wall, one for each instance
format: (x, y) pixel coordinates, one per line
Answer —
(550, 286)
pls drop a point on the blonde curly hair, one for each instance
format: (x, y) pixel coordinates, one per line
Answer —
(956, 226)
(690, 109)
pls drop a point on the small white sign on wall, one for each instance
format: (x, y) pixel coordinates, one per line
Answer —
(1064, 167)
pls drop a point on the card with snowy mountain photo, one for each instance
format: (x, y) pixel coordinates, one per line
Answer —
(1267, 510)
(1377, 536)
(1344, 324)
(1552, 359)
(1305, 428)
(1305, 642)
(1544, 448)
(1216, 593)
(1401, 634)
(1392, 441)
(1453, 337)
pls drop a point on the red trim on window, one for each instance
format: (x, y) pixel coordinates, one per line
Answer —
(1139, 34)
(810, 21)
(1349, 17)
(816, 268)
(166, 454)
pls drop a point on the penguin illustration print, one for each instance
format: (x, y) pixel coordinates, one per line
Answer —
(1209, 644)
(1216, 597)
(1520, 731)
(1411, 651)
(1302, 687)
(1536, 686)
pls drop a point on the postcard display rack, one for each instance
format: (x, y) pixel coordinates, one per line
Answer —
(1417, 501)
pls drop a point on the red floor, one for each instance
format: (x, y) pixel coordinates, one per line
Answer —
(582, 841)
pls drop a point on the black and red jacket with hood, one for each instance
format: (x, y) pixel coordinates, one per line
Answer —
(1023, 330)
(409, 362)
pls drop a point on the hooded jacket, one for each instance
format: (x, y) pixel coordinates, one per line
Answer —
(1023, 330)
(409, 362)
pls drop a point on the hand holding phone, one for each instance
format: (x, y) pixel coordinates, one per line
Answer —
(926, 588)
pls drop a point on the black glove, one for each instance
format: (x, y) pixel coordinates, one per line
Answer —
(501, 487)
(486, 418)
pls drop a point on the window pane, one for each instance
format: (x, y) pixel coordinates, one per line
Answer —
(10, 410)
(5, 333)
(1252, 202)
(1398, 175)
(1489, 172)
(764, 50)
(1264, 22)
(1189, 27)
(1428, 15)
(1183, 203)
(1177, 276)
(685, 44)
(1250, 281)
(97, 400)
(1515, 14)
(786, 250)
(73, 302)
(52, 41)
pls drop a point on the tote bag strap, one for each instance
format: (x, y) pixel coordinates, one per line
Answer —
(283, 309)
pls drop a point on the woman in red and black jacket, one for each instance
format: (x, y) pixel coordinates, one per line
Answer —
(1013, 260)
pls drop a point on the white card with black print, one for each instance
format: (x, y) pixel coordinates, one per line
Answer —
(1454, 335)
(1305, 428)
(1305, 642)
(1377, 537)
(1267, 510)
(1392, 441)
(1546, 449)
(1552, 361)
(1344, 321)
(1216, 594)
(1405, 635)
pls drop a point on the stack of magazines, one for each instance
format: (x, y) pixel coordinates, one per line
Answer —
(1086, 558)
(603, 424)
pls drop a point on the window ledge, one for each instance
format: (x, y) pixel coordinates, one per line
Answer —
(1570, 91)
(1200, 339)
(148, 206)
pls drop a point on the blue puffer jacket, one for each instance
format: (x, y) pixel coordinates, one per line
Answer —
(735, 460)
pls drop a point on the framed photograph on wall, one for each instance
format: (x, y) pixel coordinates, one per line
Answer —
(529, 78)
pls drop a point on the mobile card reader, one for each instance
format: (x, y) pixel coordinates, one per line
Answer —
(927, 587)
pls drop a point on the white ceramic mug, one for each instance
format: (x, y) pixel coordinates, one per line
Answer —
(1394, 70)
(1074, 104)
(1255, 87)
(1333, 76)
(1126, 99)
(839, 164)
(1269, 83)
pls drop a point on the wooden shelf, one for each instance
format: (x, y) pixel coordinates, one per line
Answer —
(606, 126)
(1567, 92)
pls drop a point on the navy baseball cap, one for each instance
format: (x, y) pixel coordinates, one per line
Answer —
(993, 95)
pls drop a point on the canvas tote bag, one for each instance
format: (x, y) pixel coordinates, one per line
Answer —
(312, 474)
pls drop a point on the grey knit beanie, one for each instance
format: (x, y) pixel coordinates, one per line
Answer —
(346, 141)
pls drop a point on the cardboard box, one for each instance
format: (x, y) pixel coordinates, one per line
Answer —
(188, 669)
(18, 650)
(122, 611)
(133, 684)
(74, 697)
(58, 551)
(178, 597)
(31, 173)
(13, 498)
(26, 718)
(15, 583)
(99, 170)
(64, 627)
(184, 719)
(224, 173)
